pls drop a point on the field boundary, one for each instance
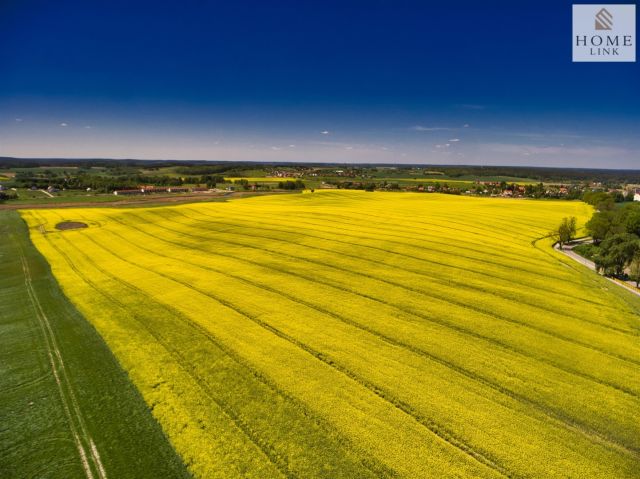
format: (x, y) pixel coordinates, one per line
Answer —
(147, 202)
(590, 265)
(90, 461)
(67, 406)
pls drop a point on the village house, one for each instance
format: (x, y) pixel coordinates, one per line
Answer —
(488, 183)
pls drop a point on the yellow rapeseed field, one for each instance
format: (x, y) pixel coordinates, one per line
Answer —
(352, 334)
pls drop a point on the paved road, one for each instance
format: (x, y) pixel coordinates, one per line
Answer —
(628, 285)
(575, 256)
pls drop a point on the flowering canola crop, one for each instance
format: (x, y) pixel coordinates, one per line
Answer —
(352, 334)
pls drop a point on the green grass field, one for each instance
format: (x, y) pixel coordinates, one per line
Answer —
(67, 409)
(31, 197)
(352, 334)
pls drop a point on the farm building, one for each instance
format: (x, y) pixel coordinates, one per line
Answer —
(154, 189)
(128, 192)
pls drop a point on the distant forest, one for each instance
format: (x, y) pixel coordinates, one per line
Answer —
(544, 174)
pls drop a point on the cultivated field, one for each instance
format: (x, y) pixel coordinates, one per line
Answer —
(351, 334)
(67, 409)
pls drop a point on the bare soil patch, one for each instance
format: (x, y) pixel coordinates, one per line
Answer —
(71, 225)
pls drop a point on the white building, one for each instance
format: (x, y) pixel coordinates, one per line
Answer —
(636, 196)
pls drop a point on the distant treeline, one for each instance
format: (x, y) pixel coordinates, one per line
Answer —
(108, 183)
(291, 185)
(599, 198)
(542, 174)
(7, 195)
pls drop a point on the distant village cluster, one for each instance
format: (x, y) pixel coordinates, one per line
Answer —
(493, 189)
(28, 178)
(541, 190)
(371, 179)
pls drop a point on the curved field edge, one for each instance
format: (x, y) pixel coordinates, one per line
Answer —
(67, 408)
(526, 387)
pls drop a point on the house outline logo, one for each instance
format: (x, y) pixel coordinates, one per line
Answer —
(604, 20)
(604, 32)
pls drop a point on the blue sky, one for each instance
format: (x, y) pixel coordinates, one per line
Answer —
(378, 81)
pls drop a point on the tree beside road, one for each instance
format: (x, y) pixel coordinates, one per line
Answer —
(616, 240)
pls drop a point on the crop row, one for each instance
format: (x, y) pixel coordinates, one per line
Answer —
(281, 336)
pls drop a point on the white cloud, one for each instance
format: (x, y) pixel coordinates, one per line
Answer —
(466, 125)
(325, 132)
(543, 136)
(510, 148)
(19, 120)
(88, 127)
(292, 146)
(64, 124)
(453, 140)
(428, 128)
